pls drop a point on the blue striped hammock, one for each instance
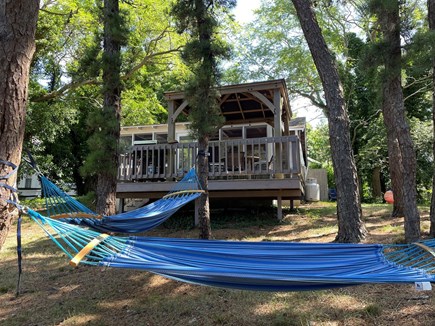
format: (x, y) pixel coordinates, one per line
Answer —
(60, 205)
(268, 266)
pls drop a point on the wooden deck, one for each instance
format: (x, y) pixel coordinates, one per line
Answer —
(271, 168)
(240, 188)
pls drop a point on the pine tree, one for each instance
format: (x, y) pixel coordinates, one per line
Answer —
(431, 19)
(103, 144)
(350, 225)
(402, 159)
(202, 54)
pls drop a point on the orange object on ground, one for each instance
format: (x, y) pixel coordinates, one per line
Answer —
(388, 196)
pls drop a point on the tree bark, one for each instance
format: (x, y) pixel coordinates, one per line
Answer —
(350, 225)
(107, 174)
(197, 18)
(395, 167)
(431, 19)
(17, 46)
(203, 202)
(376, 183)
(402, 160)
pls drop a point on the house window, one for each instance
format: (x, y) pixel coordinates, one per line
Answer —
(139, 137)
(143, 139)
(232, 133)
(28, 183)
(256, 132)
(186, 139)
(161, 138)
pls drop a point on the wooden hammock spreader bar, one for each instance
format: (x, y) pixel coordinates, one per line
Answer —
(91, 245)
(176, 193)
(428, 249)
(75, 214)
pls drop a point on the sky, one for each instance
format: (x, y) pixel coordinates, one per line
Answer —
(244, 8)
(300, 107)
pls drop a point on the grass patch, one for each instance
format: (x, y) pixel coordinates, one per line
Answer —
(34, 203)
(391, 228)
(373, 310)
(318, 210)
(225, 219)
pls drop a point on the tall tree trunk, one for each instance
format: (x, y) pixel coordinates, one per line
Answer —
(203, 201)
(199, 18)
(376, 183)
(17, 46)
(350, 225)
(431, 18)
(394, 159)
(400, 146)
(107, 174)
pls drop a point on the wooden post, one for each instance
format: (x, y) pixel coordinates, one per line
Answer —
(277, 114)
(197, 212)
(279, 208)
(171, 122)
(171, 137)
(277, 129)
(121, 205)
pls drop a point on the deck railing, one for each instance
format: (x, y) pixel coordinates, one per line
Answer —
(258, 157)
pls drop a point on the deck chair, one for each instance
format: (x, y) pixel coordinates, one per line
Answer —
(235, 160)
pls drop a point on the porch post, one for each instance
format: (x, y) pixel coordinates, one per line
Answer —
(279, 208)
(171, 136)
(277, 129)
(121, 205)
(277, 114)
(171, 122)
(286, 118)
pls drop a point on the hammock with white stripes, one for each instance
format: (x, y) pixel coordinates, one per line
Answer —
(268, 266)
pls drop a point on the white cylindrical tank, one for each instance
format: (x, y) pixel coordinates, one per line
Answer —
(312, 190)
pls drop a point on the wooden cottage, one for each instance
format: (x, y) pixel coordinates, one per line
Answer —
(258, 153)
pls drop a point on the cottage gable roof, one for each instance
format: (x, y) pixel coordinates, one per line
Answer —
(244, 103)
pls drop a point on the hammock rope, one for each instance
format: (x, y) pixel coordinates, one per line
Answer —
(268, 266)
(13, 200)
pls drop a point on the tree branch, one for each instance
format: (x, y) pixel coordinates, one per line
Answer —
(69, 14)
(421, 90)
(61, 91)
(312, 98)
(74, 85)
(145, 60)
(426, 79)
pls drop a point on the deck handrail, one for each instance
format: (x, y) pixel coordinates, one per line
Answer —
(266, 157)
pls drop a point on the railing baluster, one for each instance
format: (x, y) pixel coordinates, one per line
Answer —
(235, 156)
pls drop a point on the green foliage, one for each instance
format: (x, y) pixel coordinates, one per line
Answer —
(69, 52)
(103, 143)
(102, 160)
(141, 106)
(34, 203)
(273, 46)
(202, 53)
(319, 150)
(422, 136)
(88, 200)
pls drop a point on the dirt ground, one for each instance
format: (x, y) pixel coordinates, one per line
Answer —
(53, 293)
